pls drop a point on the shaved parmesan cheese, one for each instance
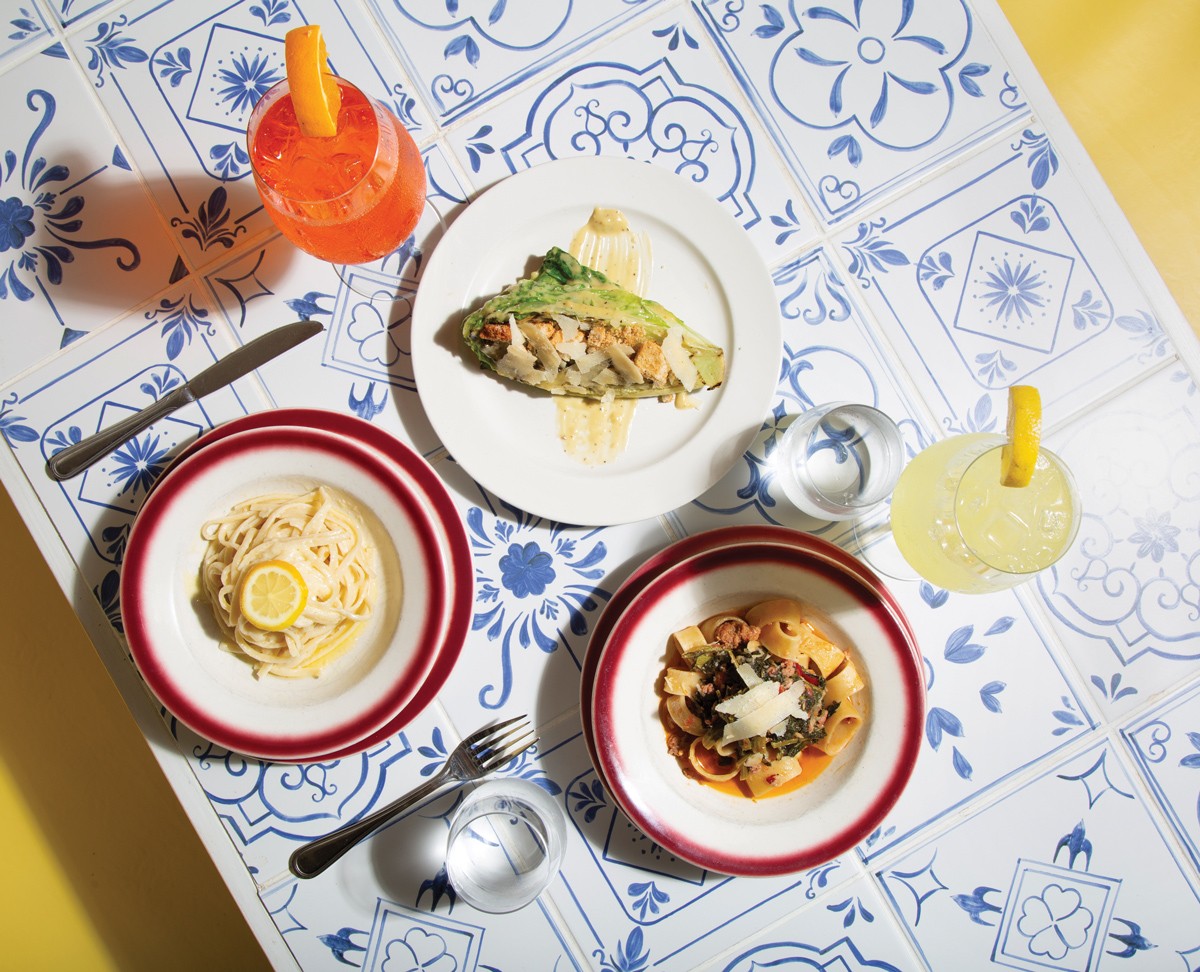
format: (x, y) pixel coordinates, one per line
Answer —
(760, 721)
(572, 350)
(570, 326)
(514, 333)
(592, 362)
(623, 365)
(518, 362)
(748, 675)
(542, 347)
(742, 704)
(679, 360)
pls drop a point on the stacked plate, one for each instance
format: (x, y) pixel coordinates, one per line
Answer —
(724, 570)
(407, 648)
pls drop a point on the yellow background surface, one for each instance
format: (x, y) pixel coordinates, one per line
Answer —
(105, 872)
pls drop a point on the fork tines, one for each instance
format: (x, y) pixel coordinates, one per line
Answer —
(498, 744)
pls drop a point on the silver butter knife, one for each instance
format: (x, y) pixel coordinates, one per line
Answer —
(75, 458)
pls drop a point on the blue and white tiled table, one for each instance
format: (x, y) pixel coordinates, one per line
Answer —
(934, 234)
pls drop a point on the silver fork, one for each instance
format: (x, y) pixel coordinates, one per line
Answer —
(481, 752)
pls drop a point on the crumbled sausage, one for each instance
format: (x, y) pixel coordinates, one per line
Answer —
(734, 631)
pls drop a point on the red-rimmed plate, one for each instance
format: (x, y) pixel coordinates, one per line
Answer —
(795, 830)
(175, 644)
(449, 521)
(698, 543)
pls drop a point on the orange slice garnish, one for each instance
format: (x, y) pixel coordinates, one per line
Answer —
(315, 93)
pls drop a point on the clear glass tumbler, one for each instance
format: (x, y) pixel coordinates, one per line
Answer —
(505, 845)
(837, 461)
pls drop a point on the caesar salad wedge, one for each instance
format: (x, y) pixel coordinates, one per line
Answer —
(568, 329)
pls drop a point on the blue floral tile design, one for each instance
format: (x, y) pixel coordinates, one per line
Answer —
(466, 53)
(932, 235)
(70, 12)
(181, 84)
(96, 382)
(1050, 916)
(539, 588)
(862, 98)
(983, 726)
(23, 25)
(1087, 877)
(998, 273)
(1125, 594)
(654, 94)
(365, 356)
(1165, 741)
(397, 939)
(93, 383)
(851, 929)
(268, 809)
(79, 239)
(631, 904)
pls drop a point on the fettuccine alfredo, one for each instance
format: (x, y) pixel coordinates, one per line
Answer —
(314, 537)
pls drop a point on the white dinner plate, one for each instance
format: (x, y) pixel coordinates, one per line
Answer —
(174, 639)
(705, 270)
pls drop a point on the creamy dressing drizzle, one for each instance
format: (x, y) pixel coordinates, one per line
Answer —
(606, 243)
(593, 431)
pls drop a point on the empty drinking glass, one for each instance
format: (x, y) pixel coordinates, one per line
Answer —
(505, 845)
(837, 461)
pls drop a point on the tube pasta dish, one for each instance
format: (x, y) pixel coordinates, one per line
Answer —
(748, 696)
(317, 535)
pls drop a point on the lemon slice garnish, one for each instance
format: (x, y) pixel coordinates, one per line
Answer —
(315, 93)
(1019, 455)
(273, 595)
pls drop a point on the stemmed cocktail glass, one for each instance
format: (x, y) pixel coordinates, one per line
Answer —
(961, 529)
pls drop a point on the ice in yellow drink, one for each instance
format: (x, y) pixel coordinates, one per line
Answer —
(961, 529)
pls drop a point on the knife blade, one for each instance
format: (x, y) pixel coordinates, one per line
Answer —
(75, 458)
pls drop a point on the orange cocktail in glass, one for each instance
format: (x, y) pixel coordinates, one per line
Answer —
(352, 197)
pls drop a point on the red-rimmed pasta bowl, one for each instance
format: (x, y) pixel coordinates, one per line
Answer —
(183, 654)
(712, 825)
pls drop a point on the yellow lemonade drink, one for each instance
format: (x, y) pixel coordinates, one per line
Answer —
(960, 529)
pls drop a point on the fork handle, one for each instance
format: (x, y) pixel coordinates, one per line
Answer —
(314, 857)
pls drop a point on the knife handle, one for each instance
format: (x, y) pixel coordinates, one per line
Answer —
(75, 458)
